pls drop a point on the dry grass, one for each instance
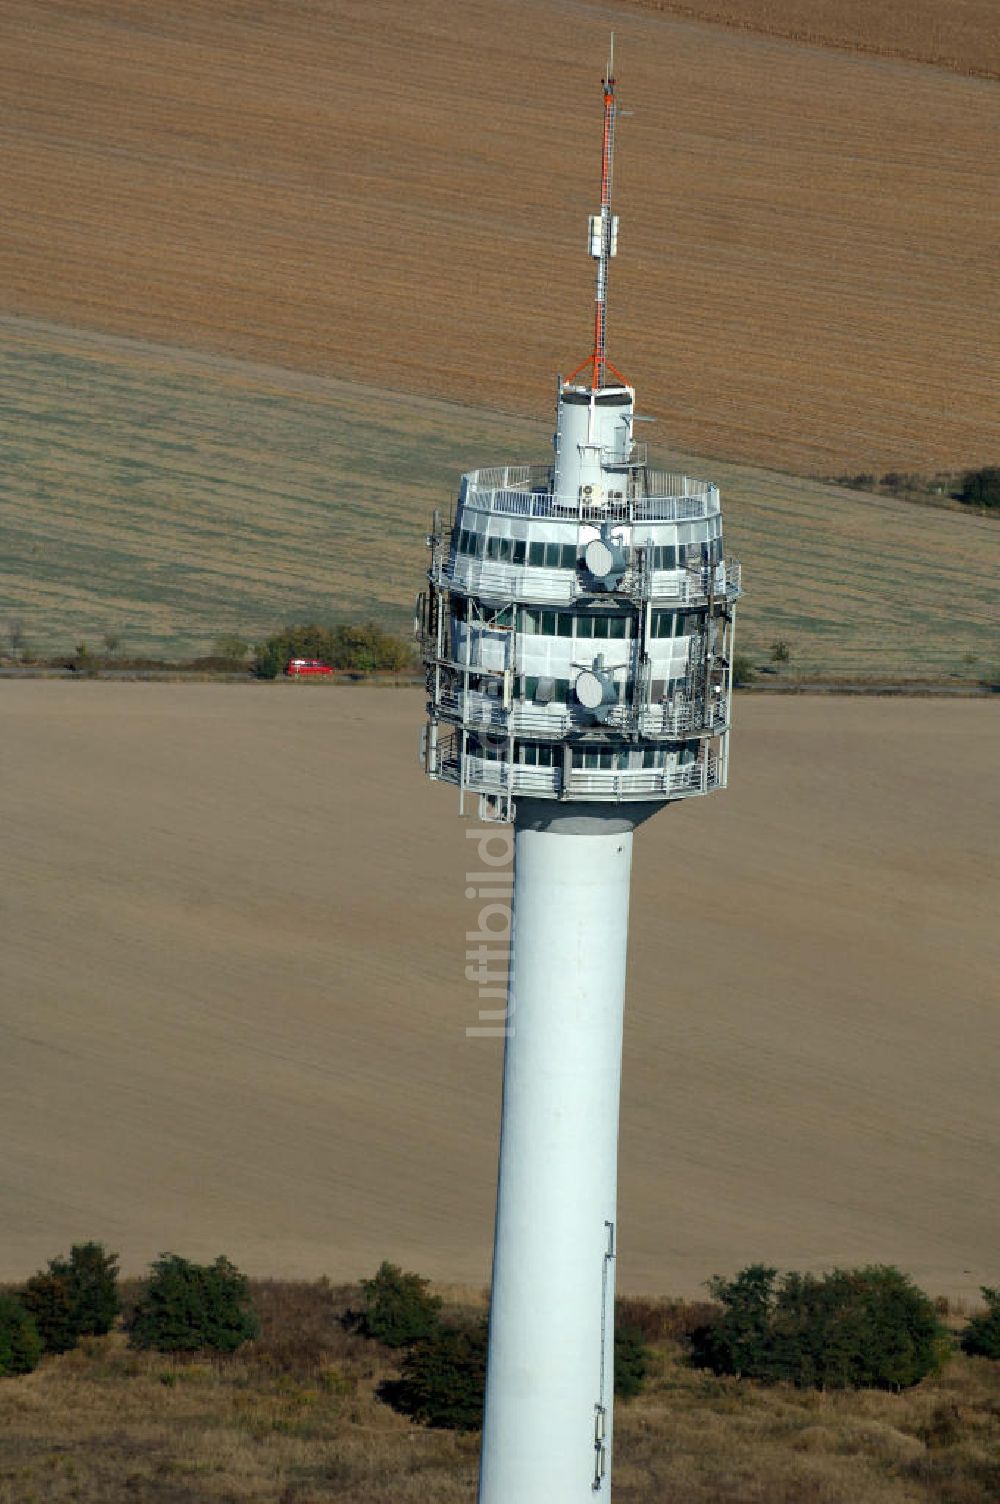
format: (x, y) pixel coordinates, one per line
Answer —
(170, 498)
(295, 1418)
(808, 237)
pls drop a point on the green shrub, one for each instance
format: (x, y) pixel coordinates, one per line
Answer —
(397, 1307)
(780, 651)
(981, 488)
(443, 1379)
(981, 1338)
(231, 647)
(358, 649)
(20, 1344)
(443, 1375)
(188, 1306)
(75, 1297)
(631, 1361)
(860, 1328)
(738, 1341)
(83, 660)
(50, 1303)
(269, 660)
(743, 670)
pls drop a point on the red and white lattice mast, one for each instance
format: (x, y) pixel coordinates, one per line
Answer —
(604, 241)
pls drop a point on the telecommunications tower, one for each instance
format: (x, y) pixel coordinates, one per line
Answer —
(578, 638)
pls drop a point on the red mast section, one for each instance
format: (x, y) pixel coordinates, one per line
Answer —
(603, 243)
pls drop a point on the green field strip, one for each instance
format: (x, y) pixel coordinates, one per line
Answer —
(169, 498)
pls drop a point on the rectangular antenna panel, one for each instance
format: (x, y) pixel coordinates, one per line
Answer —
(595, 235)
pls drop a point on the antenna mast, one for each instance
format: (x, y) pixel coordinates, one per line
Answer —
(604, 239)
(607, 226)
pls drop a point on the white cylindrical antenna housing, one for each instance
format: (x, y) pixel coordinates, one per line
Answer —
(593, 441)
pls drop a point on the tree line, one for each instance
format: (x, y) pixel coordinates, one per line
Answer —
(870, 1327)
(366, 648)
(355, 647)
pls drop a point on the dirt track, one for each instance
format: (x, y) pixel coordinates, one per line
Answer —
(235, 1006)
(808, 242)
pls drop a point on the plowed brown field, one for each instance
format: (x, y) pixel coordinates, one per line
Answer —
(235, 1006)
(397, 194)
(959, 34)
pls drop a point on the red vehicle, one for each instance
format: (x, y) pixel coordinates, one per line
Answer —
(303, 668)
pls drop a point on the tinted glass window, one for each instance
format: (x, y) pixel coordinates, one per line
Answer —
(547, 555)
(534, 756)
(560, 689)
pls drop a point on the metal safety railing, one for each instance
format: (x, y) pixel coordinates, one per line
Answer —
(530, 582)
(526, 491)
(689, 585)
(677, 717)
(488, 775)
(685, 586)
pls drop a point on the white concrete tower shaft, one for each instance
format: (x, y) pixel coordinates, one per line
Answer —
(547, 1422)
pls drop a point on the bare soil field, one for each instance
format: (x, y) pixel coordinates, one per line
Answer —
(234, 1003)
(808, 235)
(166, 498)
(961, 35)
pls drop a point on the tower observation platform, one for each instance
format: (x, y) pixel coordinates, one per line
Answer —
(577, 628)
(577, 633)
(578, 624)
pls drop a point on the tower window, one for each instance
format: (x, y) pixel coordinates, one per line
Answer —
(535, 755)
(675, 623)
(560, 689)
(535, 623)
(603, 759)
(552, 555)
(603, 626)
